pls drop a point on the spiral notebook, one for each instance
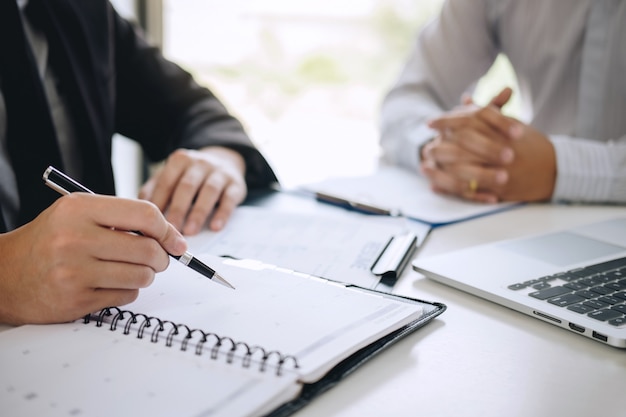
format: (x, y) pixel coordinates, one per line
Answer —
(188, 347)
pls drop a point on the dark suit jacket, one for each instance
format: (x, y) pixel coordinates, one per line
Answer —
(115, 82)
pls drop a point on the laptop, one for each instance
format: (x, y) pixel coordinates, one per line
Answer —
(574, 278)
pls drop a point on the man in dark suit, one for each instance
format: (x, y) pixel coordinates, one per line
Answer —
(72, 74)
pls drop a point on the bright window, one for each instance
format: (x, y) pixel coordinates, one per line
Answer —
(306, 78)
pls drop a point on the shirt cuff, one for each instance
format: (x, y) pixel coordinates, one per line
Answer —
(584, 170)
(402, 146)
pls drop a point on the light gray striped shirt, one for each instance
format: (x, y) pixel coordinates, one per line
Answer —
(569, 57)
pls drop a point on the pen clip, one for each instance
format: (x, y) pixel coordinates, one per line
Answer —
(395, 255)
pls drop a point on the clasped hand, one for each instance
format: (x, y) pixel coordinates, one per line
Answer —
(482, 155)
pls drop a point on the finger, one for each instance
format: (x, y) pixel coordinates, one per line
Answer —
(485, 119)
(147, 190)
(449, 152)
(104, 298)
(499, 100)
(496, 120)
(167, 178)
(143, 216)
(233, 195)
(479, 147)
(458, 120)
(71, 284)
(428, 148)
(468, 145)
(205, 203)
(444, 183)
(502, 97)
(478, 196)
(127, 276)
(127, 248)
(472, 182)
(123, 276)
(185, 193)
(480, 183)
(80, 303)
(441, 181)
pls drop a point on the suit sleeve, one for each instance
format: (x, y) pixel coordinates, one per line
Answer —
(162, 107)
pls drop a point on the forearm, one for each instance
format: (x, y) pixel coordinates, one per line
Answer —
(203, 132)
(163, 108)
(450, 55)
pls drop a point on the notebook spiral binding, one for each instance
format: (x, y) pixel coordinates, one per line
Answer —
(220, 343)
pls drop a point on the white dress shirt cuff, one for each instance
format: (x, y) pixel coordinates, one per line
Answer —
(585, 171)
(401, 145)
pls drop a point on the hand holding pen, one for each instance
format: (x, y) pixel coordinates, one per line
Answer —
(60, 182)
(72, 259)
(69, 261)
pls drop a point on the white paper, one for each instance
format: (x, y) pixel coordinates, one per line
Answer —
(342, 247)
(309, 318)
(406, 193)
(79, 370)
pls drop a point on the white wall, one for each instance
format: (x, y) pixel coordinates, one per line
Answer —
(125, 7)
(127, 156)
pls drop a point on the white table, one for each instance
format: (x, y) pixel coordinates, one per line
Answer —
(481, 359)
(478, 358)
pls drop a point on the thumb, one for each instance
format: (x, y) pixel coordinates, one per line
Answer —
(466, 99)
(502, 97)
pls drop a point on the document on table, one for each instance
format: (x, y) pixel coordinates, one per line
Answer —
(343, 247)
(397, 191)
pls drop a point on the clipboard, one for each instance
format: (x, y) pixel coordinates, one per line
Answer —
(397, 192)
(367, 251)
(392, 260)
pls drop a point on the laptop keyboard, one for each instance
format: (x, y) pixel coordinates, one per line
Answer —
(599, 290)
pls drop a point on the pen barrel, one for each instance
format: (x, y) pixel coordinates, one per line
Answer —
(200, 267)
(63, 184)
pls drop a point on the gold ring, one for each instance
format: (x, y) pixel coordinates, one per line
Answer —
(473, 185)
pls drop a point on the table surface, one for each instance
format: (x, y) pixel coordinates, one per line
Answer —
(482, 359)
(479, 358)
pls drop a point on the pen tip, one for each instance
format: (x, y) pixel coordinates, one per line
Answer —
(217, 278)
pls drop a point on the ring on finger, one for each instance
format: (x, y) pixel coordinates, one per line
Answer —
(473, 185)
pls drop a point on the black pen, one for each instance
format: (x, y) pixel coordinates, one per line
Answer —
(360, 206)
(63, 184)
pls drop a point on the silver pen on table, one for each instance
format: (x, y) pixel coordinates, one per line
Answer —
(63, 184)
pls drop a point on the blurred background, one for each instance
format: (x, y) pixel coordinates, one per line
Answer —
(306, 78)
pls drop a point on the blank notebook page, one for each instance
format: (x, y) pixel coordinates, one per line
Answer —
(312, 319)
(83, 370)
